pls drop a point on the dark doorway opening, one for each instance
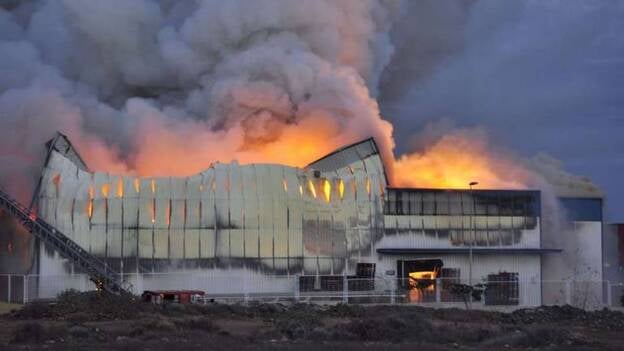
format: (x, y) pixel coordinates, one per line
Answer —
(418, 277)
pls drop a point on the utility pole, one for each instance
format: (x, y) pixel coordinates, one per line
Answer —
(473, 229)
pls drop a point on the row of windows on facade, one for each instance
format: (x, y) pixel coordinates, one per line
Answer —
(454, 202)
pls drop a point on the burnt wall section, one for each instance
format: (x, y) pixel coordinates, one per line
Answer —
(16, 246)
(455, 218)
(265, 217)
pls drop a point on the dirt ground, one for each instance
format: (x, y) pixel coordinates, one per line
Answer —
(97, 321)
(7, 307)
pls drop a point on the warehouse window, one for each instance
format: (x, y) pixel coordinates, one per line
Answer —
(502, 289)
(491, 203)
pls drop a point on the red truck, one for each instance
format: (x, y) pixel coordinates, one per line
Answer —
(160, 297)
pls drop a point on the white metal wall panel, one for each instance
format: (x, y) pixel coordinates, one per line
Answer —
(251, 206)
(236, 223)
(81, 210)
(280, 207)
(147, 212)
(162, 218)
(207, 234)
(222, 188)
(115, 218)
(65, 185)
(363, 218)
(130, 216)
(100, 213)
(191, 235)
(295, 213)
(311, 262)
(177, 218)
(265, 209)
(47, 209)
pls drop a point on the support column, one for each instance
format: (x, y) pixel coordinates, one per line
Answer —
(438, 290)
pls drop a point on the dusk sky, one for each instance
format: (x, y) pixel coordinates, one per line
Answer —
(540, 76)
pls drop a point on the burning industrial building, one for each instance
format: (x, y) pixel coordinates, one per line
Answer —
(268, 228)
(187, 159)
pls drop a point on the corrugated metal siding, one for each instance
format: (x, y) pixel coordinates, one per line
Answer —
(272, 217)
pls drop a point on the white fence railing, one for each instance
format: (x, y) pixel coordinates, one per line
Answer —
(346, 289)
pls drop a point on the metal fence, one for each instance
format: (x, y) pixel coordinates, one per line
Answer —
(440, 292)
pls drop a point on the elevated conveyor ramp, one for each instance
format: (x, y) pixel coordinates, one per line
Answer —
(103, 277)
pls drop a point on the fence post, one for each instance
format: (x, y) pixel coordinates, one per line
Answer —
(139, 280)
(297, 288)
(345, 289)
(609, 295)
(25, 296)
(438, 290)
(393, 287)
(9, 289)
(568, 292)
(245, 288)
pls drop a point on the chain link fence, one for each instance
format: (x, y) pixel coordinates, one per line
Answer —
(439, 292)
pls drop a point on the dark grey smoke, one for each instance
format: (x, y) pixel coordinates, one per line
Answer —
(203, 80)
(542, 76)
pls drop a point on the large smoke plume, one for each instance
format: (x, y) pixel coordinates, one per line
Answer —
(168, 87)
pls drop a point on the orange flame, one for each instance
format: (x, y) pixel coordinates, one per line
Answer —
(341, 188)
(137, 185)
(168, 214)
(311, 188)
(457, 159)
(327, 190)
(153, 210)
(285, 185)
(188, 148)
(452, 161)
(105, 189)
(120, 187)
(90, 202)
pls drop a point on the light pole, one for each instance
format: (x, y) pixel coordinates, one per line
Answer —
(472, 228)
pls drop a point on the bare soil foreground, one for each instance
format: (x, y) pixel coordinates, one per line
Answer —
(97, 321)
